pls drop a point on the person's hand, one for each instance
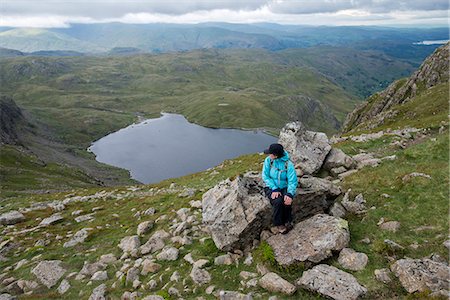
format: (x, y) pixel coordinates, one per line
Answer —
(287, 200)
(275, 195)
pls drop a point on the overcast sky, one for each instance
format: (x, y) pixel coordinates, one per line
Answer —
(60, 13)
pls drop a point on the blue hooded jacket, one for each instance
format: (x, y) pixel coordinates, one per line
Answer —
(277, 177)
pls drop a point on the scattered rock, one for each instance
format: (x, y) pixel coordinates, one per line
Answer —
(144, 227)
(53, 219)
(153, 297)
(100, 276)
(195, 203)
(130, 244)
(5, 296)
(336, 158)
(357, 206)
(393, 246)
(79, 237)
(345, 174)
(155, 242)
(390, 226)
(200, 276)
(274, 283)
(132, 275)
(422, 274)
(188, 192)
(99, 293)
(312, 240)
(366, 159)
(352, 260)
(149, 266)
(415, 174)
(331, 282)
(89, 269)
(107, 259)
(11, 218)
(48, 272)
(337, 210)
(446, 244)
(232, 295)
(382, 275)
(225, 259)
(307, 149)
(169, 253)
(235, 212)
(63, 287)
(88, 217)
(336, 171)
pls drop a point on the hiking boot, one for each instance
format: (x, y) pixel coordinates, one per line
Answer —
(282, 229)
(289, 227)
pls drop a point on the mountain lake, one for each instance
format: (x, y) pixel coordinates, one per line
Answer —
(170, 146)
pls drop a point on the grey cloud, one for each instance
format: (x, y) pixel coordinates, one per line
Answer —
(118, 8)
(98, 9)
(374, 6)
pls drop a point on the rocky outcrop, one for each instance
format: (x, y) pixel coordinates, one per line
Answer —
(434, 70)
(307, 149)
(422, 274)
(10, 118)
(310, 241)
(331, 282)
(236, 211)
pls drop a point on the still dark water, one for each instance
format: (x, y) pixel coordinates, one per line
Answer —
(170, 146)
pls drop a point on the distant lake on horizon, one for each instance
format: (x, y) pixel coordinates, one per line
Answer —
(170, 146)
(432, 42)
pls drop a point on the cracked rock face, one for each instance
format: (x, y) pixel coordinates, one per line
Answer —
(314, 196)
(307, 149)
(422, 274)
(331, 282)
(235, 212)
(310, 241)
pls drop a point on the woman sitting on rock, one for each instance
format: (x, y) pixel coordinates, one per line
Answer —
(281, 183)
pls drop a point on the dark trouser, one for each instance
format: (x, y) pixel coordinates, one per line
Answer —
(281, 213)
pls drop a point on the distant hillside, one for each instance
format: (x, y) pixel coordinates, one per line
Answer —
(34, 160)
(423, 97)
(32, 39)
(162, 38)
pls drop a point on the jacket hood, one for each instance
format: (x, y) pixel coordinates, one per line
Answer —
(285, 157)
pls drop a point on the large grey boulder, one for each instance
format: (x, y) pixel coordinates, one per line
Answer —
(422, 274)
(11, 217)
(337, 158)
(310, 241)
(331, 282)
(49, 272)
(307, 149)
(314, 196)
(236, 211)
